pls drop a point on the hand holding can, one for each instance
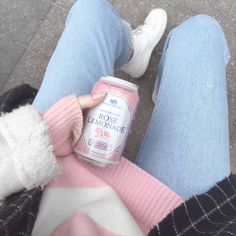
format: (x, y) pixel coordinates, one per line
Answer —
(90, 101)
(106, 126)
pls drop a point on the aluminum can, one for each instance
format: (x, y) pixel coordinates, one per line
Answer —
(106, 126)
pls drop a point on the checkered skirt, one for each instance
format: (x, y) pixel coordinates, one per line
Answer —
(211, 213)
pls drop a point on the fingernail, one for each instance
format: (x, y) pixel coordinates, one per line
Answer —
(98, 95)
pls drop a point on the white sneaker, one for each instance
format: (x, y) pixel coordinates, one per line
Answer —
(145, 38)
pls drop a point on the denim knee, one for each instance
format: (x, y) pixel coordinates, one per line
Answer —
(201, 30)
(93, 9)
(205, 22)
(199, 24)
(91, 4)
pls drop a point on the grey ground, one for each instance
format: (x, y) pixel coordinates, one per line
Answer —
(30, 29)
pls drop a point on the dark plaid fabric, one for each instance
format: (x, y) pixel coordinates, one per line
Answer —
(211, 213)
(18, 212)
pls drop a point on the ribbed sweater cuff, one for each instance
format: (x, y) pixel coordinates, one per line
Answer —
(65, 122)
(147, 199)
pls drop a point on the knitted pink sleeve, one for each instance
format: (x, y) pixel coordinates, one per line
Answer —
(65, 121)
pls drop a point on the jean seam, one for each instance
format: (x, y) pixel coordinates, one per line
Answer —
(120, 29)
(156, 103)
(161, 79)
(127, 44)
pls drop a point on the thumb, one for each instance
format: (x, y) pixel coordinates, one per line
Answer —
(89, 101)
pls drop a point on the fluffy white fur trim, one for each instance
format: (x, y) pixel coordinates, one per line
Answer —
(32, 153)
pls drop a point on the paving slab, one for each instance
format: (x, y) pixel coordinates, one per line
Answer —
(32, 66)
(216, 8)
(19, 20)
(65, 4)
(231, 77)
(10, 53)
(232, 113)
(47, 36)
(29, 70)
(233, 151)
(230, 31)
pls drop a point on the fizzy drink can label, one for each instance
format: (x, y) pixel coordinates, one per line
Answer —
(106, 126)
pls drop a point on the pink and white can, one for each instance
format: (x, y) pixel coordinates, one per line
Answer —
(106, 126)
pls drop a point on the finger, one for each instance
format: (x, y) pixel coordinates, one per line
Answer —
(89, 101)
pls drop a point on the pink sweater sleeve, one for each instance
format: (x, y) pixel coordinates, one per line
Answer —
(65, 121)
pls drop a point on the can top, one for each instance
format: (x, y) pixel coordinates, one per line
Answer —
(120, 81)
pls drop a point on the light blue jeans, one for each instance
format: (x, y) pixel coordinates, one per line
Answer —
(187, 143)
